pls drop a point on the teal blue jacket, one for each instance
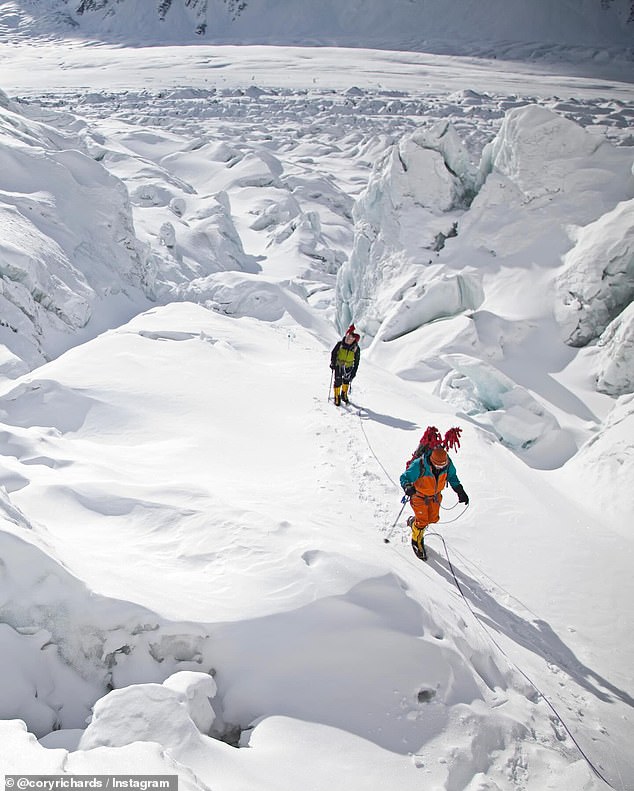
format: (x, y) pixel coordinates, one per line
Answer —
(421, 467)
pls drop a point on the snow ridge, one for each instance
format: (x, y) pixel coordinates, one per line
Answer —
(508, 28)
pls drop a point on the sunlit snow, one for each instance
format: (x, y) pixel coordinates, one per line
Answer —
(204, 565)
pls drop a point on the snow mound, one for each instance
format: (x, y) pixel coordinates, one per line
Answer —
(198, 245)
(239, 294)
(196, 690)
(602, 471)
(171, 713)
(21, 749)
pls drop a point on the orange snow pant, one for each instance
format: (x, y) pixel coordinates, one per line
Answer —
(426, 512)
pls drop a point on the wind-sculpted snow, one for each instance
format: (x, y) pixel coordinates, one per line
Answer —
(601, 472)
(160, 446)
(63, 646)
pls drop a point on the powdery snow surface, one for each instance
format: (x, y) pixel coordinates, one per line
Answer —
(205, 565)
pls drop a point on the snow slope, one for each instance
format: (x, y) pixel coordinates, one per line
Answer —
(193, 538)
(255, 547)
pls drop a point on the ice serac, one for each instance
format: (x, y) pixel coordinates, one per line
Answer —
(495, 401)
(615, 374)
(530, 137)
(410, 207)
(597, 281)
(67, 239)
(541, 175)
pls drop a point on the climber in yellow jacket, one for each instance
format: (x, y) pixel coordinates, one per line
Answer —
(344, 361)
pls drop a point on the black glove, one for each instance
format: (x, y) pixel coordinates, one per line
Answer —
(332, 367)
(463, 497)
(409, 489)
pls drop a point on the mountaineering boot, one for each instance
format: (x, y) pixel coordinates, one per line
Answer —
(337, 396)
(418, 544)
(419, 549)
(344, 394)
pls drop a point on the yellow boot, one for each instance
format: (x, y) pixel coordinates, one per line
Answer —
(337, 396)
(344, 393)
(418, 535)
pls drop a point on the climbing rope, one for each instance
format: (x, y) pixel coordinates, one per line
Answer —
(455, 519)
(397, 486)
(378, 461)
(515, 667)
(482, 626)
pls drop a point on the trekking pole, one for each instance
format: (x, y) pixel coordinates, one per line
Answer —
(332, 374)
(404, 500)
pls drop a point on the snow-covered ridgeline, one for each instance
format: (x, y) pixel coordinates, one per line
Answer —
(447, 25)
